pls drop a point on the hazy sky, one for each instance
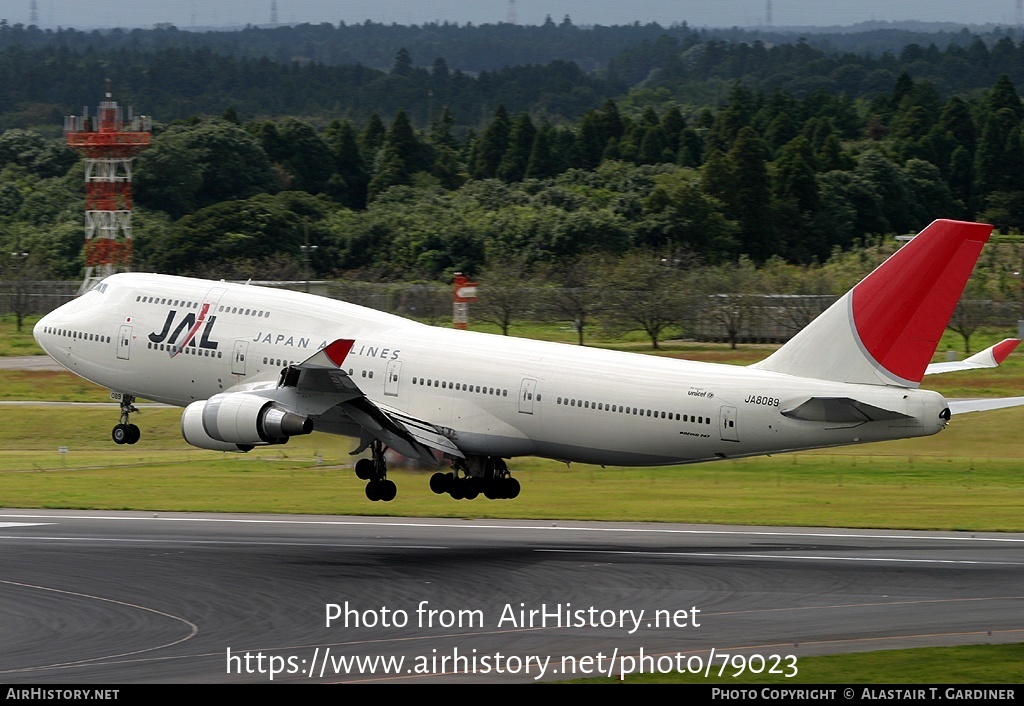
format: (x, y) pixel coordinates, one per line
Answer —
(712, 13)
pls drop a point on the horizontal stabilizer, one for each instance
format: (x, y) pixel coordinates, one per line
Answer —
(991, 357)
(840, 410)
(980, 405)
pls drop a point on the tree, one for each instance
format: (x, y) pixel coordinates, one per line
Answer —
(503, 297)
(972, 312)
(730, 121)
(372, 138)
(40, 156)
(648, 296)
(416, 155)
(752, 198)
(167, 175)
(687, 220)
(391, 170)
(802, 292)
(998, 160)
(403, 63)
(579, 294)
(21, 273)
(491, 146)
(520, 143)
(300, 151)
(348, 184)
(731, 297)
(543, 162)
(193, 166)
(245, 229)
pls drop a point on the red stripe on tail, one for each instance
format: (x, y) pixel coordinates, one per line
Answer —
(901, 309)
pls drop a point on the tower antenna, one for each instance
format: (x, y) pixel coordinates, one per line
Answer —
(108, 143)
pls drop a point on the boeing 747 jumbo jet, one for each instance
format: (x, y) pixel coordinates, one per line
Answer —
(255, 366)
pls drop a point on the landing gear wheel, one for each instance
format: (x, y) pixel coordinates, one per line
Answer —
(472, 477)
(511, 487)
(439, 482)
(373, 491)
(364, 469)
(375, 471)
(125, 433)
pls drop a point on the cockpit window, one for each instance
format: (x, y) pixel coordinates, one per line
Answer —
(100, 287)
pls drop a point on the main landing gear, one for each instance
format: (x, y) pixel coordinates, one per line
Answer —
(375, 470)
(489, 476)
(125, 433)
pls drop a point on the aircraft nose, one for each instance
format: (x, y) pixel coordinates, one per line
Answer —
(45, 333)
(39, 332)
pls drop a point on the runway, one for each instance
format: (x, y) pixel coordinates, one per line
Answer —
(106, 597)
(29, 362)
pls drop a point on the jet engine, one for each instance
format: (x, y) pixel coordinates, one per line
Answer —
(238, 422)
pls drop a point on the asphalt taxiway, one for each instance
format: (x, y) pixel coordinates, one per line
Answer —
(107, 597)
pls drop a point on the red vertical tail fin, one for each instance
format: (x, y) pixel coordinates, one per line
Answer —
(885, 330)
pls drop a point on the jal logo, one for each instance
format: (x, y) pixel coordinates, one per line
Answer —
(189, 324)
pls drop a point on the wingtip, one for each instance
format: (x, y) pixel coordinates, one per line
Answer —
(338, 350)
(1004, 348)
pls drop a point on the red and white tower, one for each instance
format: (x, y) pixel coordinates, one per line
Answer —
(108, 143)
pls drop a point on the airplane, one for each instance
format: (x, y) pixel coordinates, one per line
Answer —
(254, 366)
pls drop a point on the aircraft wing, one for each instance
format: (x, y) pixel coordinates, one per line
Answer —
(991, 357)
(409, 436)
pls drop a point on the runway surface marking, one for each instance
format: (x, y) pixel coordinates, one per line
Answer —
(242, 542)
(483, 525)
(193, 629)
(804, 557)
(25, 524)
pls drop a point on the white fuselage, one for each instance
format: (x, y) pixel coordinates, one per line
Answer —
(491, 395)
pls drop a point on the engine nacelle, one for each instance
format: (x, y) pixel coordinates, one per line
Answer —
(194, 433)
(237, 422)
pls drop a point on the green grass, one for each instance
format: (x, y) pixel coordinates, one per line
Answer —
(15, 342)
(976, 664)
(966, 478)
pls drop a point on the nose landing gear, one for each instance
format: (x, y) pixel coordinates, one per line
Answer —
(125, 433)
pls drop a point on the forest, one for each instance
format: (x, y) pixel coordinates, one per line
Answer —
(707, 156)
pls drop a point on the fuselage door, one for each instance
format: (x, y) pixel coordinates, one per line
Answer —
(238, 357)
(124, 342)
(392, 377)
(527, 390)
(728, 419)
